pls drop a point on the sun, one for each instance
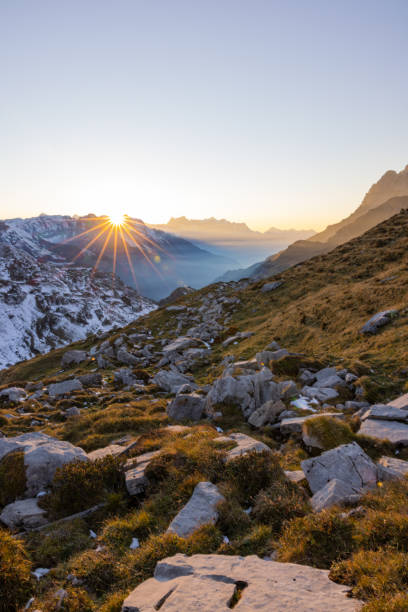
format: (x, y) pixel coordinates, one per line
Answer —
(117, 219)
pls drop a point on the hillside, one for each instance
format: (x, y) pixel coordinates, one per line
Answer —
(191, 435)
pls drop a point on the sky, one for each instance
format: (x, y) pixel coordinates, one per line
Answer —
(273, 113)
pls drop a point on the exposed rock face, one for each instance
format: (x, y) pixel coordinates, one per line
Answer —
(136, 481)
(377, 321)
(348, 463)
(396, 468)
(66, 386)
(42, 456)
(199, 510)
(12, 395)
(267, 413)
(171, 381)
(70, 357)
(245, 445)
(334, 492)
(24, 513)
(186, 407)
(209, 582)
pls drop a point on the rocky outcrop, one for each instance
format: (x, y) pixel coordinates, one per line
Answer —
(380, 319)
(64, 387)
(136, 481)
(188, 406)
(171, 381)
(210, 583)
(199, 510)
(73, 357)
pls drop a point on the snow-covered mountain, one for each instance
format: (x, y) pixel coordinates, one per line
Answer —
(44, 305)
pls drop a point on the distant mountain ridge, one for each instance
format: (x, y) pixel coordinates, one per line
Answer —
(384, 199)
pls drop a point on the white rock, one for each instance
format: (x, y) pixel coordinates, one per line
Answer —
(199, 510)
(24, 513)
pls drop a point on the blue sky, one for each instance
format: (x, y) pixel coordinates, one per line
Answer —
(269, 112)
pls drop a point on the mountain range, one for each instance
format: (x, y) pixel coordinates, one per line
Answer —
(384, 199)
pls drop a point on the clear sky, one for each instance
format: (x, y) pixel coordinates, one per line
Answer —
(266, 111)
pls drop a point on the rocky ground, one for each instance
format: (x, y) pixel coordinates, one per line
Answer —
(202, 459)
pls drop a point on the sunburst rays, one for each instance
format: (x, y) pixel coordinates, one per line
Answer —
(116, 231)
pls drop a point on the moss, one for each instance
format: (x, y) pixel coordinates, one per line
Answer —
(317, 539)
(12, 488)
(15, 582)
(328, 431)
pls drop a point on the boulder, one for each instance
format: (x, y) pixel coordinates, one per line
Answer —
(186, 407)
(12, 395)
(199, 510)
(245, 445)
(123, 356)
(325, 373)
(385, 413)
(294, 475)
(25, 514)
(113, 450)
(322, 394)
(267, 413)
(295, 425)
(42, 456)
(330, 381)
(209, 583)
(347, 462)
(271, 286)
(73, 357)
(64, 387)
(171, 381)
(377, 321)
(263, 358)
(394, 431)
(181, 344)
(288, 390)
(94, 379)
(335, 492)
(124, 377)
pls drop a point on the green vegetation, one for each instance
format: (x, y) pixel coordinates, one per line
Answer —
(12, 488)
(15, 582)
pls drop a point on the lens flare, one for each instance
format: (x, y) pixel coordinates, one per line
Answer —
(117, 219)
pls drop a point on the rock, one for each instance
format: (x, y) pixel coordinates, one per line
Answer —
(264, 358)
(396, 468)
(347, 462)
(377, 321)
(181, 344)
(124, 377)
(295, 425)
(386, 413)
(334, 492)
(177, 429)
(111, 450)
(245, 445)
(176, 308)
(91, 380)
(199, 510)
(186, 407)
(12, 395)
(400, 402)
(73, 411)
(42, 456)
(24, 513)
(267, 413)
(350, 378)
(352, 405)
(171, 381)
(187, 388)
(271, 286)
(249, 364)
(208, 583)
(237, 337)
(330, 381)
(306, 377)
(73, 357)
(322, 394)
(288, 390)
(325, 373)
(136, 481)
(123, 356)
(64, 387)
(395, 432)
(294, 475)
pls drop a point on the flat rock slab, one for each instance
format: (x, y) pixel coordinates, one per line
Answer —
(207, 583)
(199, 510)
(394, 431)
(333, 493)
(400, 402)
(377, 321)
(245, 445)
(347, 462)
(112, 449)
(386, 413)
(24, 513)
(295, 475)
(64, 387)
(395, 467)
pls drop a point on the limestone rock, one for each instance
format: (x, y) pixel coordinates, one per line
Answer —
(267, 413)
(199, 510)
(245, 445)
(171, 381)
(64, 387)
(377, 321)
(94, 379)
(294, 475)
(24, 513)
(334, 492)
(323, 394)
(400, 402)
(271, 286)
(42, 456)
(207, 583)
(347, 462)
(186, 407)
(12, 394)
(123, 356)
(73, 357)
(394, 468)
(124, 377)
(386, 413)
(394, 431)
(136, 481)
(295, 425)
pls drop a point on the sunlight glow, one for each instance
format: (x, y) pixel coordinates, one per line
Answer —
(117, 219)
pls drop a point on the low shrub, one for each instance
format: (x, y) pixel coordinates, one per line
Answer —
(316, 539)
(48, 548)
(379, 529)
(232, 520)
(282, 501)
(15, 569)
(328, 431)
(396, 603)
(118, 532)
(12, 488)
(258, 541)
(252, 472)
(113, 602)
(69, 600)
(98, 569)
